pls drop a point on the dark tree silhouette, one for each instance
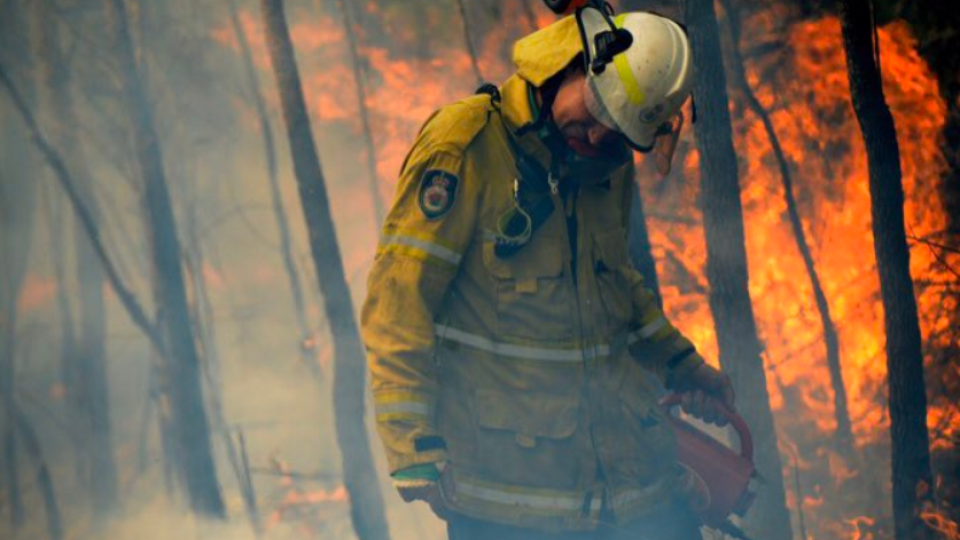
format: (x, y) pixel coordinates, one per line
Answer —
(639, 244)
(727, 268)
(359, 472)
(17, 198)
(31, 443)
(468, 41)
(912, 477)
(844, 433)
(87, 354)
(358, 76)
(276, 196)
(191, 428)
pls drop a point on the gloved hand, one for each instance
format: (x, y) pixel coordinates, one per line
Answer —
(705, 392)
(422, 483)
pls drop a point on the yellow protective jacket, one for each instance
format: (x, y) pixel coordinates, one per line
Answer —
(531, 385)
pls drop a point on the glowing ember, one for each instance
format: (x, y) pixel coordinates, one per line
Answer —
(307, 508)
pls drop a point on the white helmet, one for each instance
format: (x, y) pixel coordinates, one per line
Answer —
(641, 88)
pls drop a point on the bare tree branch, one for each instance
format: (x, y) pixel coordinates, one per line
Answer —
(124, 294)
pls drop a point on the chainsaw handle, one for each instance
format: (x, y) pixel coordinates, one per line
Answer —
(743, 432)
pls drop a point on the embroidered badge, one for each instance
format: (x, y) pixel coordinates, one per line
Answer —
(438, 190)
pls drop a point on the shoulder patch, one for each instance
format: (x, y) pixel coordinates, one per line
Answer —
(438, 192)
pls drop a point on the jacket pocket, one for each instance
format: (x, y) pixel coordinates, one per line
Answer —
(527, 438)
(611, 262)
(532, 295)
(649, 447)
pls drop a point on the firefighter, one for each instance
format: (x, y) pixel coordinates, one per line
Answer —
(516, 358)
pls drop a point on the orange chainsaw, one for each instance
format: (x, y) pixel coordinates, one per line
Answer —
(718, 478)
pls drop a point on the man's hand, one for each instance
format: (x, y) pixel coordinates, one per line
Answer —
(705, 392)
(428, 492)
(422, 483)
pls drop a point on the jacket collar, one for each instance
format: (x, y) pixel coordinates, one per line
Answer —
(519, 111)
(546, 52)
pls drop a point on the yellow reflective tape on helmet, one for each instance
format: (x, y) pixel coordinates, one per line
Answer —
(625, 73)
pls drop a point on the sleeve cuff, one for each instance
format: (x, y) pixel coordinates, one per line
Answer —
(680, 367)
(424, 471)
(400, 462)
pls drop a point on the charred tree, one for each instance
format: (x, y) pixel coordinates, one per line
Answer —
(17, 196)
(32, 444)
(17, 210)
(276, 196)
(67, 382)
(87, 223)
(203, 320)
(844, 433)
(727, 271)
(529, 14)
(468, 41)
(912, 477)
(639, 244)
(177, 335)
(359, 472)
(68, 377)
(94, 391)
(356, 62)
(666, 7)
(87, 351)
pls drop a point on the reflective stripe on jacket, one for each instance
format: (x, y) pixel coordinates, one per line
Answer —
(533, 387)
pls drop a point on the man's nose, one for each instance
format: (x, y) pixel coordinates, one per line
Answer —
(598, 134)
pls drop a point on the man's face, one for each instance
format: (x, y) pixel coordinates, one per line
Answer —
(582, 132)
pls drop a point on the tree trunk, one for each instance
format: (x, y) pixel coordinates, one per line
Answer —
(727, 269)
(17, 196)
(202, 314)
(912, 478)
(32, 444)
(844, 433)
(279, 213)
(529, 14)
(468, 41)
(94, 385)
(355, 61)
(87, 352)
(666, 7)
(639, 243)
(182, 361)
(68, 376)
(83, 213)
(359, 472)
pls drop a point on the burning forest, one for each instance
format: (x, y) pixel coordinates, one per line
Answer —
(191, 203)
